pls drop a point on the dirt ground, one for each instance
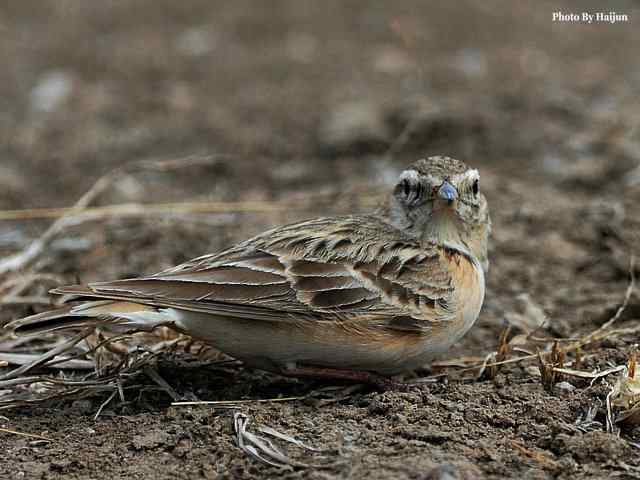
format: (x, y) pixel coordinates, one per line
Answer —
(320, 106)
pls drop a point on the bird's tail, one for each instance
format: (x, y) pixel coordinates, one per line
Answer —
(88, 314)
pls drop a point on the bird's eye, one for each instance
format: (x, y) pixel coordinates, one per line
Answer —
(406, 187)
(476, 186)
(418, 190)
(410, 191)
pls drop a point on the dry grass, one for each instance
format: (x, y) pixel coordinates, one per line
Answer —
(264, 449)
(118, 363)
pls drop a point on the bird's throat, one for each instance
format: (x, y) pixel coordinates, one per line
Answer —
(444, 227)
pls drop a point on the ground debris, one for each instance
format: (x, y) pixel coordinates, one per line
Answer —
(262, 448)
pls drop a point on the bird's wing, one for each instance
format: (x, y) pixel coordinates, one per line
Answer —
(342, 269)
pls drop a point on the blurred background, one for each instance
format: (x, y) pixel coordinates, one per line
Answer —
(214, 120)
(298, 93)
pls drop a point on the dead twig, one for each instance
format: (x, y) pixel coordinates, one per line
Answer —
(28, 435)
(63, 347)
(29, 300)
(550, 372)
(32, 252)
(263, 449)
(104, 404)
(161, 382)
(25, 258)
(143, 210)
(63, 363)
(501, 353)
(588, 375)
(140, 210)
(602, 332)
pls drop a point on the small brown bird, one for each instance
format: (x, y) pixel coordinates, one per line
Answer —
(350, 297)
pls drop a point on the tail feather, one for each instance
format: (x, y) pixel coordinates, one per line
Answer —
(75, 292)
(95, 313)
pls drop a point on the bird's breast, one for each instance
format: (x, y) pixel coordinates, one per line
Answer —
(467, 278)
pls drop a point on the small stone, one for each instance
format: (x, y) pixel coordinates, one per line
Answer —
(39, 443)
(150, 440)
(378, 407)
(52, 89)
(565, 386)
(532, 370)
(195, 42)
(83, 406)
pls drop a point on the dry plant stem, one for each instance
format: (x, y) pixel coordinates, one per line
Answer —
(483, 366)
(143, 210)
(139, 210)
(32, 252)
(263, 449)
(104, 404)
(28, 435)
(54, 381)
(162, 383)
(577, 362)
(63, 363)
(550, 371)
(501, 354)
(48, 355)
(601, 332)
(591, 375)
(93, 349)
(610, 423)
(126, 368)
(10, 300)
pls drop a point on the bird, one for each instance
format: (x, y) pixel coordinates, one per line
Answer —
(358, 297)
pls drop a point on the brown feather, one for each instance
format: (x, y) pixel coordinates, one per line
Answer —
(340, 298)
(226, 275)
(291, 273)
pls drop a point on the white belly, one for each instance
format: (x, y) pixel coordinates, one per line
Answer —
(273, 345)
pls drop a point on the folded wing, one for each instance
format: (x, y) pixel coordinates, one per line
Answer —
(311, 271)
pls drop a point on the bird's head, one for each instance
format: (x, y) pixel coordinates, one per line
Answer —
(439, 199)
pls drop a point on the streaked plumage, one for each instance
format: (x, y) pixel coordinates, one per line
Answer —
(379, 293)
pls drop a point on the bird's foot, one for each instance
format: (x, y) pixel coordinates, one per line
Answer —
(359, 376)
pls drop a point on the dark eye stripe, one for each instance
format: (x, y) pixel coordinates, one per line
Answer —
(407, 188)
(412, 192)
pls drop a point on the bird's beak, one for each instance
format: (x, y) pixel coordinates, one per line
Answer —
(447, 192)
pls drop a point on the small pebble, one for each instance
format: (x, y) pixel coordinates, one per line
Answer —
(565, 386)
(52, 89)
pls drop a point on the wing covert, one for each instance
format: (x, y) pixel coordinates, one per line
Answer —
(324, 268)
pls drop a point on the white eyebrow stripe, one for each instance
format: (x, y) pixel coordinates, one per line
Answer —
(472, 173)
(411, 175)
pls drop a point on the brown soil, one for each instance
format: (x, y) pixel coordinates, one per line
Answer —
(314, 100)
